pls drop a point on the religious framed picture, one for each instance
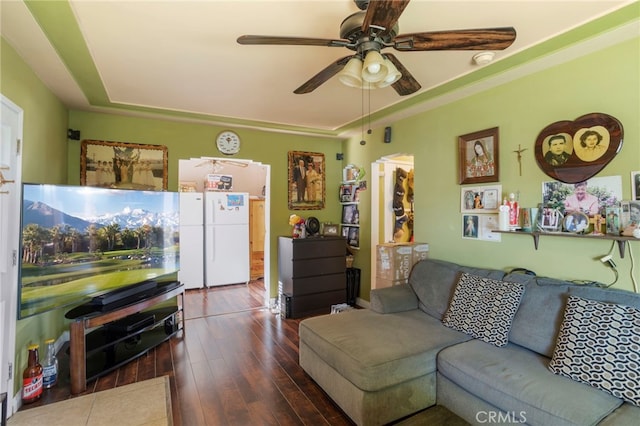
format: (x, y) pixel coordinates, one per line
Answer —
(306, 188)
(480, 199)
(479, 157)
(123, 165)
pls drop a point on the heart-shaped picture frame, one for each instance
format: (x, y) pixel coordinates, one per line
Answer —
(574, 151)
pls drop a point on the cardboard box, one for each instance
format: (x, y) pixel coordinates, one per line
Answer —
(395, 260)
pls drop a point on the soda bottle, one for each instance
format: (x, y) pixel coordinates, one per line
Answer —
(32, 377)
(50, 366)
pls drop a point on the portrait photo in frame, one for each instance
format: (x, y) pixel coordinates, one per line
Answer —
(306, 188)
(635, 186)
(123, 165)
(479, 157)
(352, 234)
(350, 214)
(480, 199)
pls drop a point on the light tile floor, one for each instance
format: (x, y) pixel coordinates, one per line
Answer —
(146, 403)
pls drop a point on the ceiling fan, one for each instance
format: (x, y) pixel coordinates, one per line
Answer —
(375, 27)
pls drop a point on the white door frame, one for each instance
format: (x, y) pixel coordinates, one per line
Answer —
(10, 196)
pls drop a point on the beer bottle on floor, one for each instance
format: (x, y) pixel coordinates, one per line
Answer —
(32, 377)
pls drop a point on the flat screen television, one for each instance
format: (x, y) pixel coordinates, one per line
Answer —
(79, 242)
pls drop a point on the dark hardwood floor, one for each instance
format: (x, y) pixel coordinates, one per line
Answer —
(235, 363)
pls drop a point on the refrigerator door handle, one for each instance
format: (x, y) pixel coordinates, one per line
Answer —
(210, 250)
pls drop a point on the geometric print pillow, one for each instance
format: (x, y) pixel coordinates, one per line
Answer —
(599, 344)
(483, 308)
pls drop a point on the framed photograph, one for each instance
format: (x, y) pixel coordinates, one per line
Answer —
(479, 157)
(352, 234)
(576, 222)
(350, 214)
(306, 187)
(480, 199)
(123, 165)
(347, 192)
(612, 220)
(549, 219)
(635, 186)
(591, 197)
(329, 229)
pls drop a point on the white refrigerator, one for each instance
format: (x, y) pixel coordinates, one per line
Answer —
(226, 235)
(191, 272)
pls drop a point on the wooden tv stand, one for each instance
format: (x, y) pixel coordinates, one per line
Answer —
(102, 350)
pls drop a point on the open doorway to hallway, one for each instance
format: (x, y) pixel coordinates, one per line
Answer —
(204, 174)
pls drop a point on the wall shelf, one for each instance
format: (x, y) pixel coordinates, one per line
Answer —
(536, 237)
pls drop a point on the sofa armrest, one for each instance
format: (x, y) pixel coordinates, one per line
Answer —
(398, 298)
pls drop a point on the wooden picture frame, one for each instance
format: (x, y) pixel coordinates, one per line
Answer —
(573, 151)
(306, 190)
(478, 154)
(123, 165)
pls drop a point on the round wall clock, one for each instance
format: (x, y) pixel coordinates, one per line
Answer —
(228, 142)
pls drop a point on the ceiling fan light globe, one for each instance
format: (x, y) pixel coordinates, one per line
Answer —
(374, 69)
(392, 76)
(350, 74)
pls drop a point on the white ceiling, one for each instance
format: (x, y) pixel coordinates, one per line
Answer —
(183, 55)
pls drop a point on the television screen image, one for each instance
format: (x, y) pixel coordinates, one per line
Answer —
(78, 242)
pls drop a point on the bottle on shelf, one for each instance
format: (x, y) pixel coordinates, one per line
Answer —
(32, 377)
(50, 366)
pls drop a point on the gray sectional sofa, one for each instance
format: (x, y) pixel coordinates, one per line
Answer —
(396, 358)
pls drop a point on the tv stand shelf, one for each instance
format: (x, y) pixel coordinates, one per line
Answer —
(536, 237)
(107, 347)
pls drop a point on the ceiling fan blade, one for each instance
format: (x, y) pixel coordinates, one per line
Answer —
(383, 13)
(475, 39)
(407, 84)
(314, 82)
(290, 41)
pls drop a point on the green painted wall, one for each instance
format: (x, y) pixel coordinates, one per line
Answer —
(187, 140)
(605, 81)
(44, 160)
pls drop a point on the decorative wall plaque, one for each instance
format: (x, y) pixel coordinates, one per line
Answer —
(574, 151)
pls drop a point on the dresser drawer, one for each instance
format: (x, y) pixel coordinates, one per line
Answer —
(317, 284)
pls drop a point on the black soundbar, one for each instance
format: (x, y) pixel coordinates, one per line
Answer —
(123, 293)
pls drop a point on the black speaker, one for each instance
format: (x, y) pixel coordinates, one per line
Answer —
(387, 135)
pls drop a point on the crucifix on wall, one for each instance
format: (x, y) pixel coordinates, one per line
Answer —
(519, 152)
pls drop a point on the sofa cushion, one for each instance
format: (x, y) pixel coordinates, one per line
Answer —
(625, 415)
(608, 295)
(515, 379)
(599, 344)
(398, 298)
(433, 281)
(483, 308)
(537, 322)
(395, 348)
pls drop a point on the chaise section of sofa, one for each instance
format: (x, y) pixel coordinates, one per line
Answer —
(392, 360)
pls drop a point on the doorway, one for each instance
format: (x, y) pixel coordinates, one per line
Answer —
(391, 210)
(10, 184)
(243, 175)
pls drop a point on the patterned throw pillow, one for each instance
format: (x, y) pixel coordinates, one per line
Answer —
(484, 308)
(599, 344)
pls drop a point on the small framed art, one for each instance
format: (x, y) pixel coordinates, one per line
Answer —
(350, 214)
(480, 199)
